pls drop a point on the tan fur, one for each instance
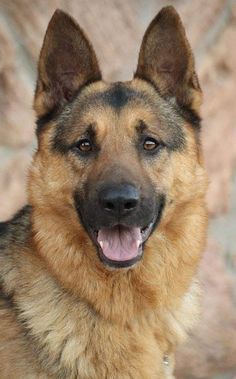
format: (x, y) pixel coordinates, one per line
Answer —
(82, 319)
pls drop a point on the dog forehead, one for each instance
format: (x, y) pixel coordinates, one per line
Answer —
(119, 100)
(116, 96)
(126, 103)
(120, 95)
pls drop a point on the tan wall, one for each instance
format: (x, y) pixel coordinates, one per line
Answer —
(115, 28)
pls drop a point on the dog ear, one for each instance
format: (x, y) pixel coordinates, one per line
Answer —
(166, 60)
(67, 62)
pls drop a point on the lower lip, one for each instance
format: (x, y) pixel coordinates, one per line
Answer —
(120, 264)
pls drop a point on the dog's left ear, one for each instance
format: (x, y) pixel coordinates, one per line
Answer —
(67, 62)
(166, 60)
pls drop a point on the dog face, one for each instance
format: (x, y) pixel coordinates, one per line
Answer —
(117, 160)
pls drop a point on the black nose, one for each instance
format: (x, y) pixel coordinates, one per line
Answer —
(119, 199)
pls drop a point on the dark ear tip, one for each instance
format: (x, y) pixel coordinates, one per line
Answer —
(59, 15)
(168, 13)
(58, 11)
(169, 10)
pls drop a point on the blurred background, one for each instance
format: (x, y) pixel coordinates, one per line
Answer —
(116, 27)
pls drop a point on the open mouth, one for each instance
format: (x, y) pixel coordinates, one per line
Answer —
(121, 246)
(119, 236)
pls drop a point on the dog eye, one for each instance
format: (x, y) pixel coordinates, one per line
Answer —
(84, 145)
(150, 144)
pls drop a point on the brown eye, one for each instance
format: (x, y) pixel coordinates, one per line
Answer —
(150, 144)
(85, 146)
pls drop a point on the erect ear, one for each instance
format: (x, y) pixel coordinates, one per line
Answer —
(67, 62)
(166, 60)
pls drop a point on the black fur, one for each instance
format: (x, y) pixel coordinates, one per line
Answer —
(16, 230)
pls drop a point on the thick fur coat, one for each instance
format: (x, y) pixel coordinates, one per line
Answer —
(64, 312)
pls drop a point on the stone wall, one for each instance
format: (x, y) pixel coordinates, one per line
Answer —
(116, 28)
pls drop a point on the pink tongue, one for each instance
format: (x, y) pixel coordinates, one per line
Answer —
(120, 243)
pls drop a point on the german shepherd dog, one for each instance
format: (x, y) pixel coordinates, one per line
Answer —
(98, 271)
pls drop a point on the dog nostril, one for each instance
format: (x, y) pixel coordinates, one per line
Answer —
(109, 206)
(130, 204)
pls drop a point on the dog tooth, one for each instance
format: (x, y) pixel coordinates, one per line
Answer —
(101, 244)
(105, 244)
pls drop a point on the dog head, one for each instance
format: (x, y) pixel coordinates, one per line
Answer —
(115, 161)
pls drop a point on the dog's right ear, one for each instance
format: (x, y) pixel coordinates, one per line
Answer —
(67, 62)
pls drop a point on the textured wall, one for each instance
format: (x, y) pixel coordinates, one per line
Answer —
(116, 28)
